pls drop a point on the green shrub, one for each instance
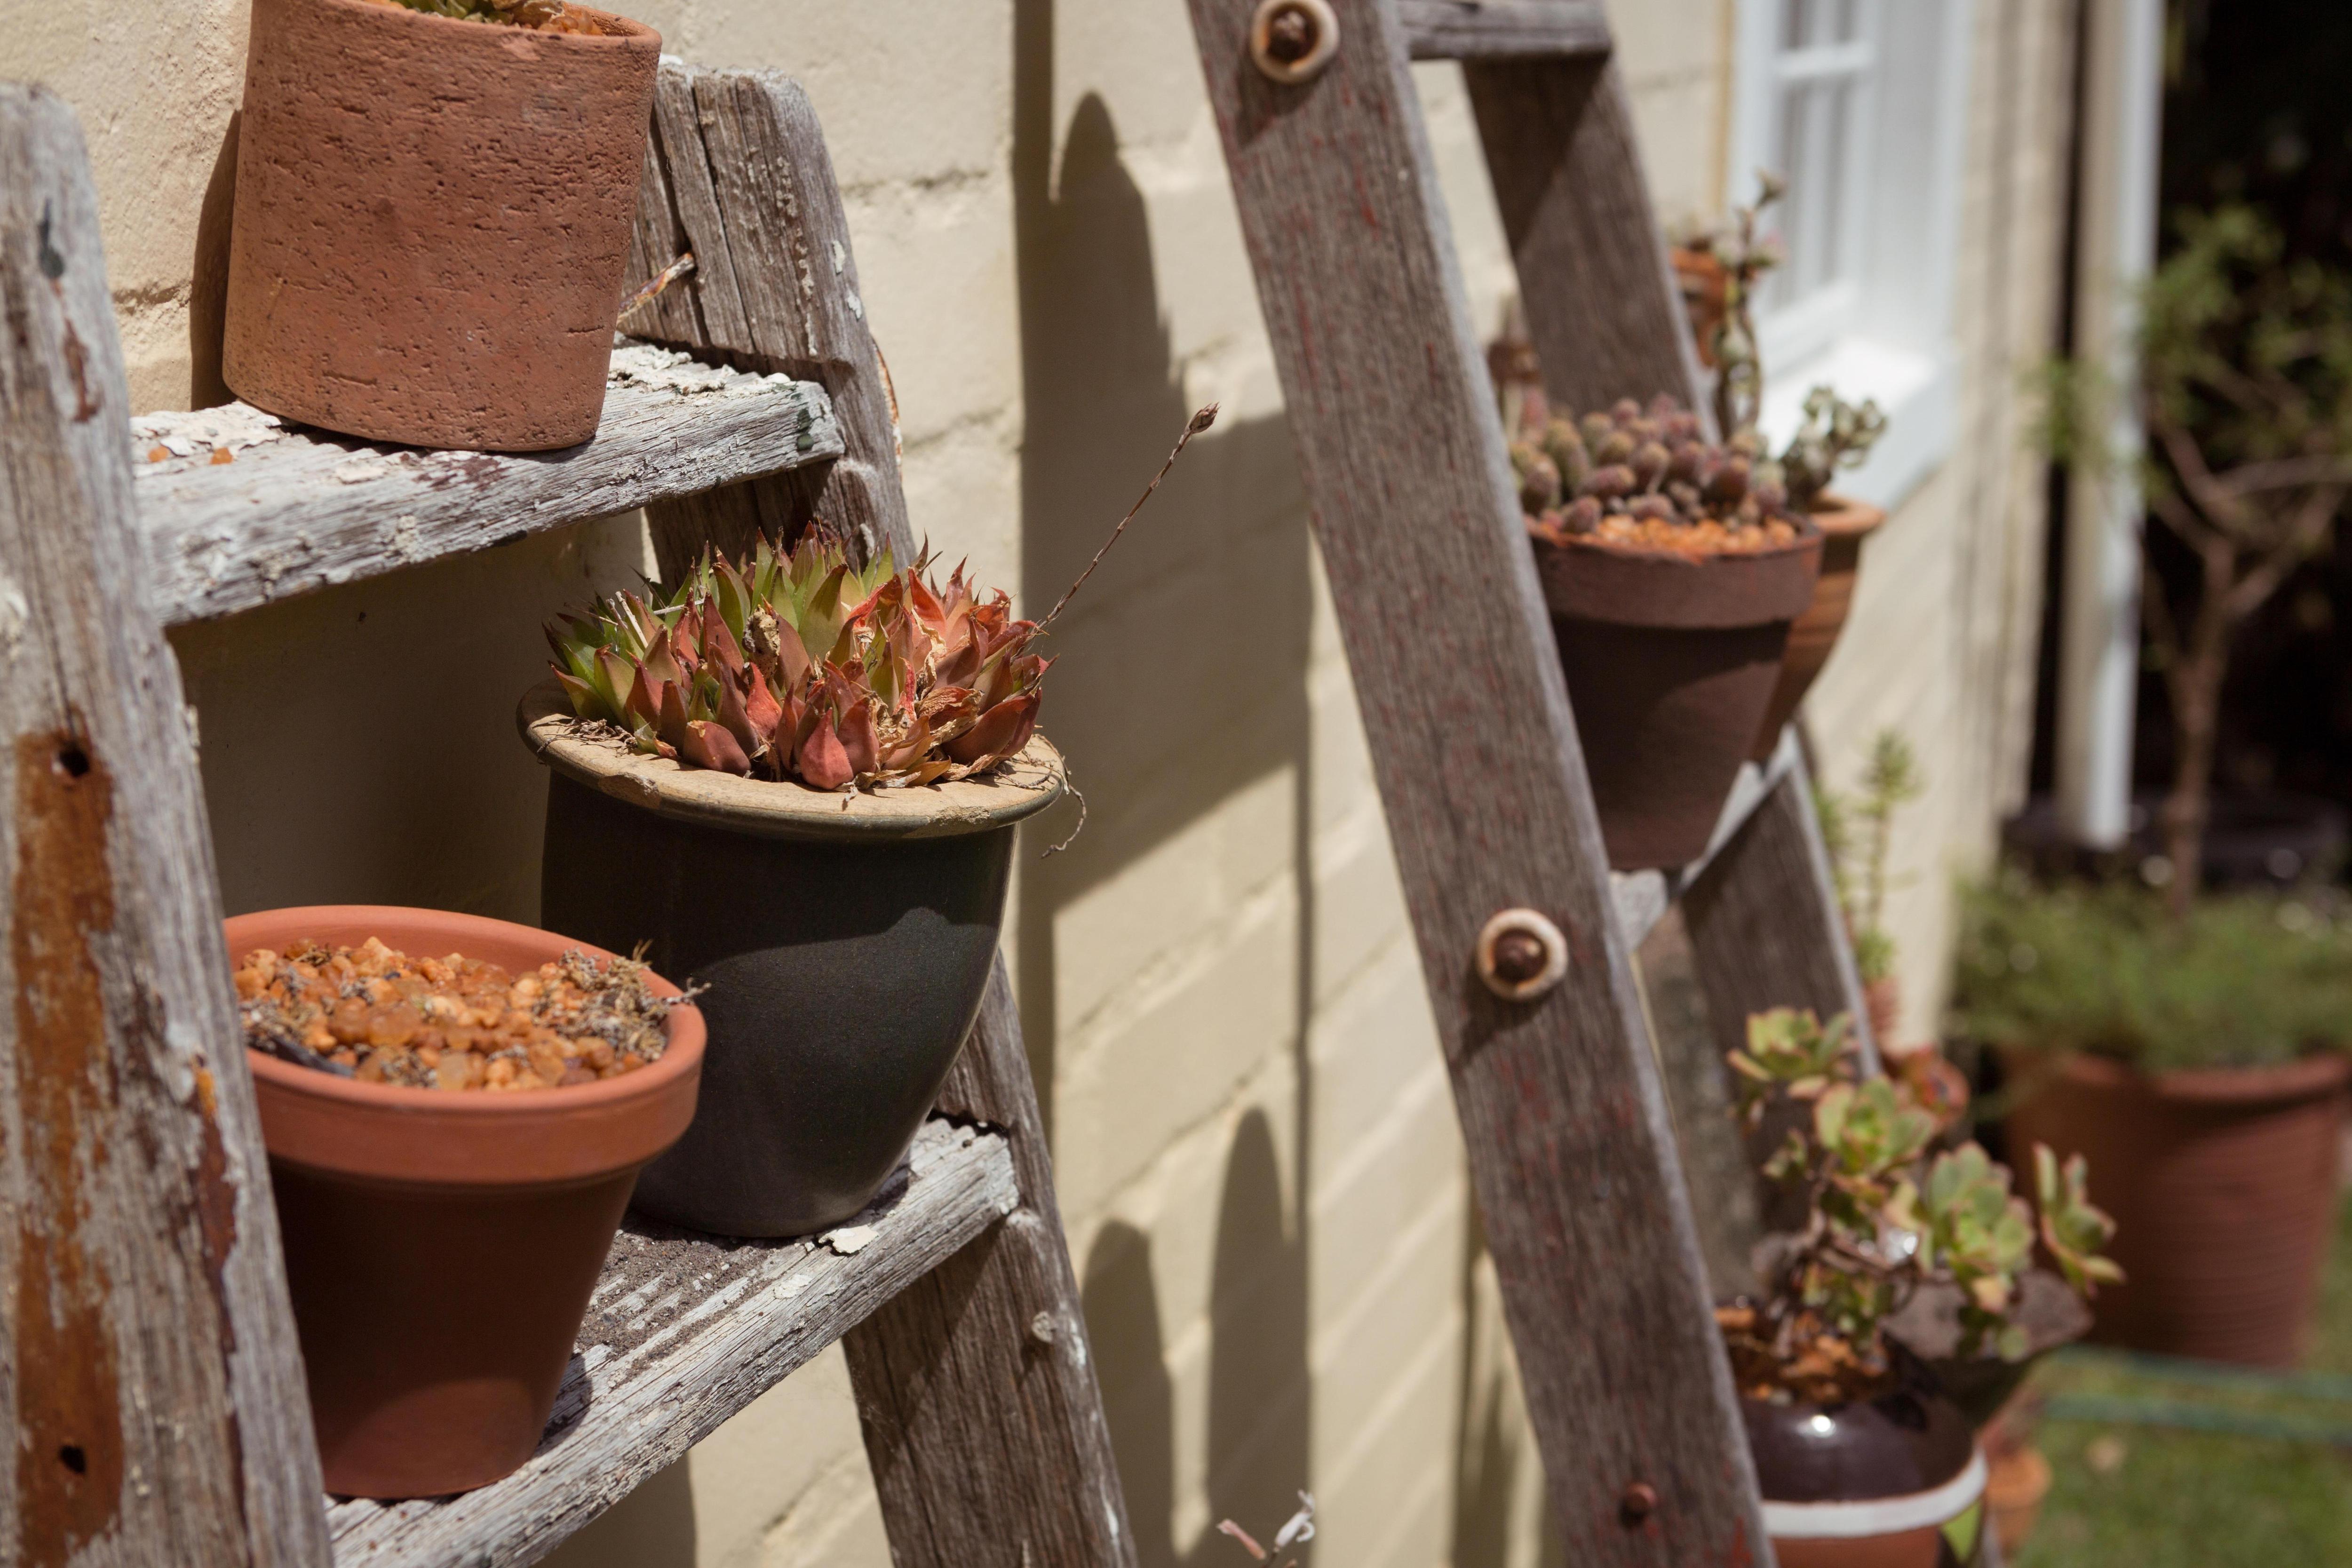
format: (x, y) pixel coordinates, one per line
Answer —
(2242, 980)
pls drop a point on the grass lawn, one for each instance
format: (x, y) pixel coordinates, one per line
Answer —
(2132, 1496)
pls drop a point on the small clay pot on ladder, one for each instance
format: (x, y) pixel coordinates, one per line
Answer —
(2223, 1186)
(1895, 1481)
(441, 1247)
(431, 218)
(1844, 524)
(1670, 659)
(845, 940)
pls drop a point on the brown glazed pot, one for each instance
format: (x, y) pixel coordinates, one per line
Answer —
(1844, 524)
(440, 1247)
(2222, 1183)
(1893, 1482)
(431, 218)
(1670, 662)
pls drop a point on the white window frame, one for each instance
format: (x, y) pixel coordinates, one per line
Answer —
(1881, 327)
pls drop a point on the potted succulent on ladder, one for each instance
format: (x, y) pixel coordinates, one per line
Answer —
(1863, 1457)
(795, 779)
(1721, 270)
(456, 1110)
(434, 203)
(1673, 572)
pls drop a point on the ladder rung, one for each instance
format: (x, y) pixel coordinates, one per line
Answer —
(683, 1332)
(1505, 30)
(295, 509)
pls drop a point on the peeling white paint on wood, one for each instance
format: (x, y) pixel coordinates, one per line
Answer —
(239, 508)
(683, 1332)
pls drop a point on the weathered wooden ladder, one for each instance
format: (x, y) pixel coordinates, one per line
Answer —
(148, 1366)
(1572, 1146)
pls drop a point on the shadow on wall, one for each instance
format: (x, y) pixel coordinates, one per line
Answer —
(1258, 1386)
(1185, 679)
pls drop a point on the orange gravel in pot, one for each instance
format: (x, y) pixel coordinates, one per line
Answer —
(377, 1015)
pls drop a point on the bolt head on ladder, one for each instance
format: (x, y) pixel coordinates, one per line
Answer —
(1292, 41)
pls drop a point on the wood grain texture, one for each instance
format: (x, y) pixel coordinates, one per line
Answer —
(1603, 308)
(987, 1439)
(292, 510)
(684, 1330)
(1571, 1147)
(738, 176)
(1766, 932)
(1504, 29)
(149, 1370)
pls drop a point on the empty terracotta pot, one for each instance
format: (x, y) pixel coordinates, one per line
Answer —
(1844, 524)
(845, 941)
(1669, 661)
(1892, 1482)
(2222, 1183)
(431, 218)
(441, 1247)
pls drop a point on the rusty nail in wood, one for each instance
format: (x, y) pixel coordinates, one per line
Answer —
(1521, 955)
(1292, 41)
(1637, 1502)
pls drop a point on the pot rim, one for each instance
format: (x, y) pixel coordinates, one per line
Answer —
(1808, 538)
(636, 35)
(1842, 517)
(2314, 1077)
(313, 1098)
(768, 808)
(1860, 1519)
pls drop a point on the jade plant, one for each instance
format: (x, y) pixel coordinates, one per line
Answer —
(1610, 474)
(1887, 1213)
(1835, 435)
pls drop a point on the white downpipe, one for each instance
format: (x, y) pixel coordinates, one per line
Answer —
(2098, 663)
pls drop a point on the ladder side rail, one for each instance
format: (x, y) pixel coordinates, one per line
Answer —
(1603, 311)
(1766, 930)
(1570, 1145)
(975, 1388)
(148, 1357)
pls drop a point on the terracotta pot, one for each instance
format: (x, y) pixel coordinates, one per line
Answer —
(1844, 524)
(1670, 662)
(2015, 1485)
(440, 1247)
(2222, 1184)
(431, 218)
(1892, 1482)
(845, 940)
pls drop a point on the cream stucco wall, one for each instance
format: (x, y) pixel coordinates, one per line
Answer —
(1258, 1160)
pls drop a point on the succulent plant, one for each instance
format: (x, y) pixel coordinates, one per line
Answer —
(1648, 463)
(1726, 330)
(1887, 1213)
(545, 14)
(1835, 435)
(804, 665)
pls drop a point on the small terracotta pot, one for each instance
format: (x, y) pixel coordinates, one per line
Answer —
(441, 1247)
(1669, 661)
(2222, 1183)
(845, 941)
(1892, 1482)
(1844, 524)
(2015, 1487)
(432, 219)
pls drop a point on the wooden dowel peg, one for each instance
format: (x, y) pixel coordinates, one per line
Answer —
(1521, 955)
(1292, 41)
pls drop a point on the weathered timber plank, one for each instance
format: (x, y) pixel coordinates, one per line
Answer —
(1504, 29)
(149, 1371)
(292, 509)
(975, 1387)
(1571, 1148)
(1767, 932)
(683, 1332)
(1602, 310)
(987, 1437)
(739, 175)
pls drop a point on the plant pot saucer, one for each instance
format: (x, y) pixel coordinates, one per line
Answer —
(597, 757)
